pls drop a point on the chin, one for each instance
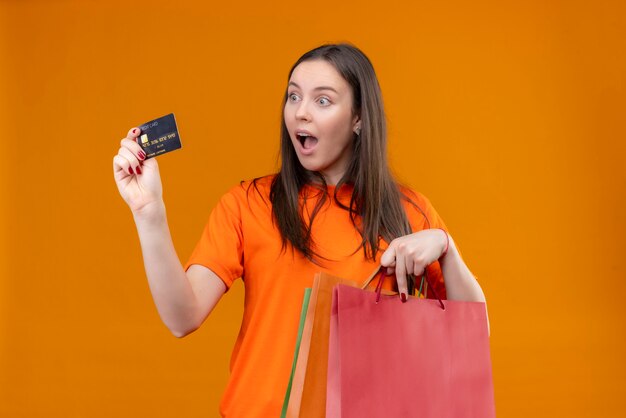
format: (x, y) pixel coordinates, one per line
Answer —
(309, 166)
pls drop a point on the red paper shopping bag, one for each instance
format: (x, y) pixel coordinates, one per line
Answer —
(423, 358)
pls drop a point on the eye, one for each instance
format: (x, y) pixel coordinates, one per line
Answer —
(324, 101)
(292, 97)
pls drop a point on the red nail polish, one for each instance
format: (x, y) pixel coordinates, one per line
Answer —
(135, 130)
(403, 297)
(130, 170)
(142, 155)
(138, 170)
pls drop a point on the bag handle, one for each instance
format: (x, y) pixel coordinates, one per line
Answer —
(382, 273)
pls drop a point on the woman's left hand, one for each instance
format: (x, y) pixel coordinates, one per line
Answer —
(411, 254)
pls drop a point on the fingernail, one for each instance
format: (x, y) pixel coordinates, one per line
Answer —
(138, 170)
(134, 130)
(403, 297)
(130, 170)
(142, 155)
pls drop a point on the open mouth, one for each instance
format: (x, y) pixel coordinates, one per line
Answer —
(307, 141)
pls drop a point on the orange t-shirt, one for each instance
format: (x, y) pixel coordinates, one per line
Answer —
(241, 241)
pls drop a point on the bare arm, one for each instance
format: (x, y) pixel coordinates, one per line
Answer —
(459, 280)
(183, 300)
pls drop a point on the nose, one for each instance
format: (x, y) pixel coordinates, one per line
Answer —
(302, 111)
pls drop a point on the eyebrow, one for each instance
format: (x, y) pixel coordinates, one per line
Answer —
(291, 83)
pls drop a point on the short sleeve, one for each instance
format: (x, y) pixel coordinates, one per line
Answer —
(220, 247)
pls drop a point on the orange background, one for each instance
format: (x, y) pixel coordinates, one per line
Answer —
(510, 118)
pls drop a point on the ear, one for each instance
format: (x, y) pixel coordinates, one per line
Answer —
(356, 125)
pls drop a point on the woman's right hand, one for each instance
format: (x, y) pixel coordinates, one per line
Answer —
(138, 179)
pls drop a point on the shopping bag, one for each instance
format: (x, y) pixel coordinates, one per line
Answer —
(424, 358)
(305, 306)
(307, 397)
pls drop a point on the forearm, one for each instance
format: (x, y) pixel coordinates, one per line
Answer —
(459, 280)
(171, 290)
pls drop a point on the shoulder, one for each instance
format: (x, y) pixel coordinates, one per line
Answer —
(419, 209)
(407, 194)
(261, 185)
(250, 192)
(413, 199)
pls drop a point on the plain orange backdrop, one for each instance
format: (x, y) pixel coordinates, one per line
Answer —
(509, 116)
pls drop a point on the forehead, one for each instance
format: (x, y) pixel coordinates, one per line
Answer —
(316, 73)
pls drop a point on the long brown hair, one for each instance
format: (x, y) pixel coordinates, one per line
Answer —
(375, 205)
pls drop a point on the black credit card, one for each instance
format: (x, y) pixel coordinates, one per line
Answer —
(159, 136)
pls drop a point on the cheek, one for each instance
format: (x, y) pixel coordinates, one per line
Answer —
(339, 125)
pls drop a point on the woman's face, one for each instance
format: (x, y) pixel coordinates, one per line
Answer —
(319, 119)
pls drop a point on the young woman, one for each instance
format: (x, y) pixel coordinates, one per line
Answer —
(333, 206)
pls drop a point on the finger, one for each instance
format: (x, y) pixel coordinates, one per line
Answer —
(133, 133)
(401, 276)
(132, 160)
(418, 268)
(389, 256)
(409, 264)
(121, 164)
(134, 147)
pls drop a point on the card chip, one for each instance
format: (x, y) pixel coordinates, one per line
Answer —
(159, 136)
